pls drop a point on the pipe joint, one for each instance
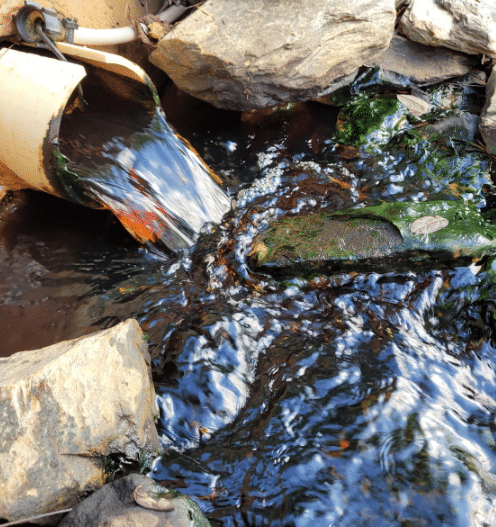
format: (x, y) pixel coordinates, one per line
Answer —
(54, 26)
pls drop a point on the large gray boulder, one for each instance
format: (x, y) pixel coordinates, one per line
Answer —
(488, 115)
(63, 408)
(463, 25)
(257, 54)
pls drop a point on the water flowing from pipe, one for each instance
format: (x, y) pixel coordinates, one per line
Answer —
(146, 174)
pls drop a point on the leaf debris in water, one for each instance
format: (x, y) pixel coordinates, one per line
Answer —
(146, 501)
(428, 224)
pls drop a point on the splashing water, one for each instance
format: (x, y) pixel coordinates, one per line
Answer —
(148, 176)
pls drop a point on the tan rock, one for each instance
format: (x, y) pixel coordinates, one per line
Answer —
(423, 64)
(258, 54)
(66, 406)
(463, 25)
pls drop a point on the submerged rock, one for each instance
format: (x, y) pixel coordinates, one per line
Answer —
(488, 115)
(116, 505)
(385, 237)
(462, 127)
(247, 55)
(462, 25)
(63, 408)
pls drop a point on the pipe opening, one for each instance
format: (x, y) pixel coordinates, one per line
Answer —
(114, 107)
(119, 152)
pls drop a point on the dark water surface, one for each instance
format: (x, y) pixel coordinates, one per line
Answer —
(345, 400)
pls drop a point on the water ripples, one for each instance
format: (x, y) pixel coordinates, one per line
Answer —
(343, 400)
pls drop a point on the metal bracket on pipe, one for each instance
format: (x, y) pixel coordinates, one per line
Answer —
(50, 45)
(70, 25)
(56, 28)
(41, 26)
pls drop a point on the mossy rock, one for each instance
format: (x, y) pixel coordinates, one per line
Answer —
(386, 237)
(366, 115)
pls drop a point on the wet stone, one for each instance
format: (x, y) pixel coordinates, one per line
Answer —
(115, 505)
(384, 237)
(488, 115)
(370, 122)
(463, 127)
(320, 237)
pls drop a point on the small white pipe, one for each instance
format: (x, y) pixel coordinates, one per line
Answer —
(84, 36)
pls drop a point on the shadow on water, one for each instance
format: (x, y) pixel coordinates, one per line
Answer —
(53, 255)
(347, 399)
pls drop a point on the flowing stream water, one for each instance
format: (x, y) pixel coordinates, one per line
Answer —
(340, 400)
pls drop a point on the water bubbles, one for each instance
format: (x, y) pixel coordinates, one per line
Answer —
(266, 185)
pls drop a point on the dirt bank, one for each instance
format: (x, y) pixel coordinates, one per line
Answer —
(97, 14)
(90, 13)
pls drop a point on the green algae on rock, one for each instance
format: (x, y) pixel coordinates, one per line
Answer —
(386, 237)
(367, 121)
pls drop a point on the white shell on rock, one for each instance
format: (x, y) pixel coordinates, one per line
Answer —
(415, 105)
(428, 224)
(146, 501)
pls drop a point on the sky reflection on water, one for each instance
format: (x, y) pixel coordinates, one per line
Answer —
(345, 400)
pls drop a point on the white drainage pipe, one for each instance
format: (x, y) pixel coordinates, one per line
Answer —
(34, 92)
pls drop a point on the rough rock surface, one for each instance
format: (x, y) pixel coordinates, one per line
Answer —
(488, 115)
(64, 407)
(246, 55)
(114, 506)
(463, 25)
(424, 65)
